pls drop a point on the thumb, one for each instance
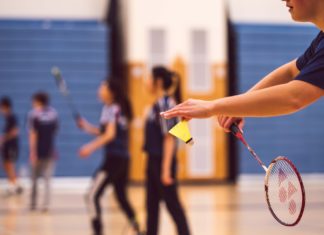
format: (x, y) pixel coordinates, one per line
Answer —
(241, 124)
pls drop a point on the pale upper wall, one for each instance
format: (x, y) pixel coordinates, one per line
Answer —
(178, 18)
(259, 11)
(269, 11)
(53, 9)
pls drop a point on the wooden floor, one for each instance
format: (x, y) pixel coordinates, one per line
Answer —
(212, 210)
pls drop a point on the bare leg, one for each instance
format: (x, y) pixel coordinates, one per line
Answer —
(11, 172)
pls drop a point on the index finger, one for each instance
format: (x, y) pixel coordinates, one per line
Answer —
(175, 112)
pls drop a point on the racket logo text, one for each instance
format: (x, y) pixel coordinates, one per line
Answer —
(287, 193)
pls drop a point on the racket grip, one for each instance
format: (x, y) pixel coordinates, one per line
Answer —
(77, 118)
(235, 129)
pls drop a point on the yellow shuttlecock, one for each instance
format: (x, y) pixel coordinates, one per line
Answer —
(181, 131)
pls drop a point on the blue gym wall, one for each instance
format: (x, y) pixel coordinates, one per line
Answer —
(262, 48)
(28, 50)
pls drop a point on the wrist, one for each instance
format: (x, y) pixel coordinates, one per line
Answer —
(86, 126)
(214, 108)
(91, 147)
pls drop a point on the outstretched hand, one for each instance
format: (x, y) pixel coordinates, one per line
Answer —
(194, 108)
(191, 108)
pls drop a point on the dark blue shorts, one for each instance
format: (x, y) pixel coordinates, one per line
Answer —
(10, 154)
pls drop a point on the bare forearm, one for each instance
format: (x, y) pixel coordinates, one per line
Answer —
(273, 101)
(168, 152)
(103, 139)
(99, 142)
(91, 129)
(281, 75)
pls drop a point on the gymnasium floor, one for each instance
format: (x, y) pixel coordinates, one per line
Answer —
(212, 210)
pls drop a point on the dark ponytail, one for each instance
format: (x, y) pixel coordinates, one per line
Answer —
(170, 80)
(120, 97)
(177, 87)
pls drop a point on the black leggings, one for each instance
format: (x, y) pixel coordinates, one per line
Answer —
(156, 191)
(114, 170)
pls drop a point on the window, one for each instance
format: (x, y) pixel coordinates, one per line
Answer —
(157, 47)
(199, 72)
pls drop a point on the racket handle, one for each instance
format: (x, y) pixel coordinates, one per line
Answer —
(235, 129)
(77, 118)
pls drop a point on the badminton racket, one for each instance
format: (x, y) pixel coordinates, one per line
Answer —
(283, 185)
(62, 86)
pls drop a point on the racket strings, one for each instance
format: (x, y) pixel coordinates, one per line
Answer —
(285, 192)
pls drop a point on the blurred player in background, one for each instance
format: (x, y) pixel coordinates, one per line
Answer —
(286, 90)
(9, 145)
(43, 126)
(113, 136)
(161, 149)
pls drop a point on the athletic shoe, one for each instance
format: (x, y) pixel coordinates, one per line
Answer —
(19, 190)
(10, 191)
(96, 227)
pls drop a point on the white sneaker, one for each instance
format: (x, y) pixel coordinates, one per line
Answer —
(9, 191)
(19, 190)
(13, 190)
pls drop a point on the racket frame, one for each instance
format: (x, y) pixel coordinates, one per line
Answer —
(301, 184)
(62, 86)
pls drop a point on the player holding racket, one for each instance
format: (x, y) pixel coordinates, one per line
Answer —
(113, 136)
(286, 90)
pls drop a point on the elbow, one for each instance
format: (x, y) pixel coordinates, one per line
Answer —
(108, 138)
(301, 94)
(296, 103)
